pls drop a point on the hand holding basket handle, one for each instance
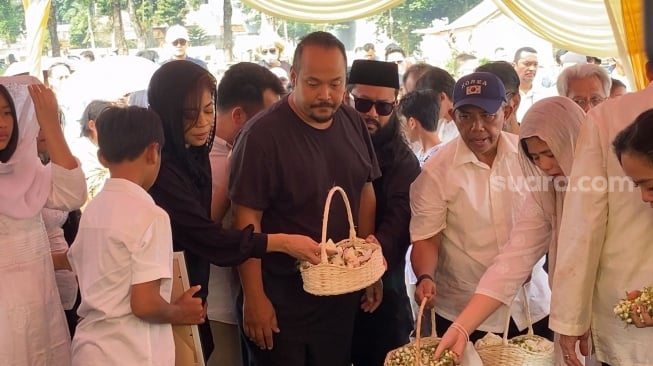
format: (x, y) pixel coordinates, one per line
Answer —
(327, 279)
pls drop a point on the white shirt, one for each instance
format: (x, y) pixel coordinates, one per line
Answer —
(532, 236)
(605, 246)
(224, 285)
(529, 98)
(124, 239)
(454, 195)
(447, 130)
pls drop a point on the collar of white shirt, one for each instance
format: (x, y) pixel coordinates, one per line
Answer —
(464, 155)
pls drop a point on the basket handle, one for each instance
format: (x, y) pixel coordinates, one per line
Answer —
(528, 316)
(325, 221)
(418, 336)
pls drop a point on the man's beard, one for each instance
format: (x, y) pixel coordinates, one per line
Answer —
(322, 119)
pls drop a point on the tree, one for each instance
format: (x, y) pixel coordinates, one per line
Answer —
(227, 34)
(52, 30)
(118, 28)
(400, 21)
(140, 12)
(12, 20)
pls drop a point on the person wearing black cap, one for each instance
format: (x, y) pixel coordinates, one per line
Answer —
(373, 88)
(284, 162)
(464, 204)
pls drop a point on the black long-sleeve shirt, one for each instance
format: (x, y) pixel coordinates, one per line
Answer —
(204, 241)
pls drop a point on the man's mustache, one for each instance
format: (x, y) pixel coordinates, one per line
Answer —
(323, 105)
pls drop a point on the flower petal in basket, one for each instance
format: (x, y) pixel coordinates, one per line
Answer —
(326, 279)
(335, 279)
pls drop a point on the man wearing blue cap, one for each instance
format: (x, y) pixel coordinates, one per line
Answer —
(463, 206)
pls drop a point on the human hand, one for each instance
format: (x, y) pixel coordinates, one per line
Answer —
(568, 346)
(259, 320)
(372, 297)
(453, 340)
(425, 289)
(304, 248)
(372, 239)
(641, 317)
(45, 106)
(189, 309)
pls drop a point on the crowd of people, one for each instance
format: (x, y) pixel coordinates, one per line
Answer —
(483, 194)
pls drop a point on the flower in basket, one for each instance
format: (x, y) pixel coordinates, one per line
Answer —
(405, 356)
(634, 301)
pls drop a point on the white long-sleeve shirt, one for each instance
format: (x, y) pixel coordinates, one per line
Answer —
(604, 248)
(464, 199)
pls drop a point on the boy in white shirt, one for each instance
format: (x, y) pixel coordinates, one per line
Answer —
(123, 253)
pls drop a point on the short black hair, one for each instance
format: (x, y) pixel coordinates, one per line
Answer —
(392, 48)
(151, 55)
(124, 132)
(438, 80)
(521, 50)
(417, 69)
(91, 113)
(88, 54)
(504, 71)
(58, 64)
(637, 138)
(616, 83)
(368, 46)
(322, 39)
(423, 105)
(8, 151)
(243, 84)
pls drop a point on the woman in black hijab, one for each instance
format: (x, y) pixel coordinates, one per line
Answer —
(183, 94)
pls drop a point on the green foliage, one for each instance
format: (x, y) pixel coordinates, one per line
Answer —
(198, 36)
(12, 20)
(400, 21)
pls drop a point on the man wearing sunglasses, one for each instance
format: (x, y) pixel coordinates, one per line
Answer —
(177, 38)
(269, 54)
(373, 88)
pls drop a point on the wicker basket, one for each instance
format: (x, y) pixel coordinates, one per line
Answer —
(507, 354)
(329, 279)
(419, 341)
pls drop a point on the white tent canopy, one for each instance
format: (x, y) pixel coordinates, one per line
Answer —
(322, 11)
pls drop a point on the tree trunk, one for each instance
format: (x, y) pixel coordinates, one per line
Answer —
(118, 29)
(52, 29)
(90, 19)
(227, 34)
(142, 28)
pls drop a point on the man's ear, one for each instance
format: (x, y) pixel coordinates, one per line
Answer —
(293, 77)
(507, 111)
(452, 114)
(412, 122)
(516, 102)
(238, 115)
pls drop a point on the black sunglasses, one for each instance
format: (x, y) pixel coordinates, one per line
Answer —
(178, 42)
(382, 108)
(272, 51)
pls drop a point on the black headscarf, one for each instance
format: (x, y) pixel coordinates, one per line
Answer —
(169, 87)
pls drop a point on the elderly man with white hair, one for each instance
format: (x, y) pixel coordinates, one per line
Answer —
(586, 84)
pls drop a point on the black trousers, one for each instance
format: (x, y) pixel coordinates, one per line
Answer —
(540, 328)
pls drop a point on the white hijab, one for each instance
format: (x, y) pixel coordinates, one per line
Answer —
(556, 121)
(25, 183)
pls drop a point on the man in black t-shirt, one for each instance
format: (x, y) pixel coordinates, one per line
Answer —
(283, 165)
(373, 88)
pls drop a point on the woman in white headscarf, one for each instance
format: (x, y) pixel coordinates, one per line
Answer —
(547, 135)
(33, 328)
